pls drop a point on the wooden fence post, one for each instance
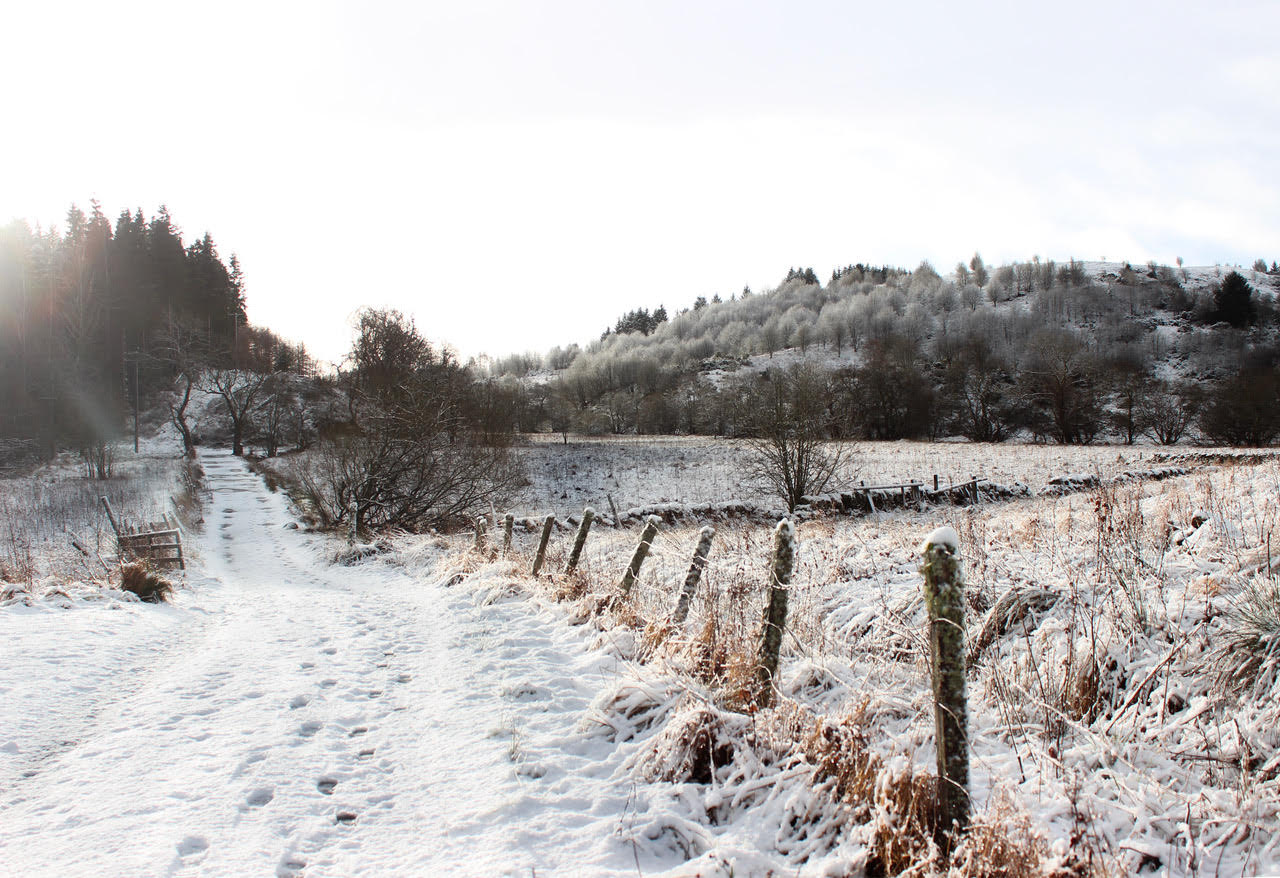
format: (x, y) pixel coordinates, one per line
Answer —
(775, 614)
(480, 528)
(642, 551)
(508, 524)
(353, 513)
(695, 574)
(548, 523)
(944, 598)
(588, 516)
(111, 516)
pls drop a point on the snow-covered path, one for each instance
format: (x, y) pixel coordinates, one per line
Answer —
(289, 717)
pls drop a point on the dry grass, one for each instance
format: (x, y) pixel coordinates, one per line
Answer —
(1101, 654)
(149, 586)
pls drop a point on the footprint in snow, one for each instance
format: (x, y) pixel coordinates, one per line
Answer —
(259, 797)
(191, 847)
(306, 665)
(290, 867)
(328, 684)
(331, 650)
(358, 730)
(327, 785)
(309, 728)
(346, 818)
(299, 701)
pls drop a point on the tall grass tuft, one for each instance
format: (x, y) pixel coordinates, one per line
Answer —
(148, 585)
(1249, 656)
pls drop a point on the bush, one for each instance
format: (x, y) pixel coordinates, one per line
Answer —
(789, 452)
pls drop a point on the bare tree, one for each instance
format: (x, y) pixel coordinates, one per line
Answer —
(790, 452)
(1167, 412)
(182, 349)
(412, 458)
(239, 391)
(276, 412)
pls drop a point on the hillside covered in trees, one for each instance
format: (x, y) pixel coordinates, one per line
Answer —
(1073, 353)
(96, 316)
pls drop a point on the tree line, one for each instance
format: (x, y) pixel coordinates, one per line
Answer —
(1037, 350)
(85, 312)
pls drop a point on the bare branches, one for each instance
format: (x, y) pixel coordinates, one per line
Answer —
(791, 454)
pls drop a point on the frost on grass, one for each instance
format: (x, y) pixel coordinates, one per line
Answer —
(53, 532)
(1121, 675)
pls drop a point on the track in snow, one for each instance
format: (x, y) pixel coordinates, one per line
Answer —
(288, 717)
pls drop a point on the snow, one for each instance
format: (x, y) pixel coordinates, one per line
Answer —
(287, 717)
(943, 536)
(432, 708)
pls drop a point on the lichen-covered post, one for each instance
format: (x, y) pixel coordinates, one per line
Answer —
(547, 524)
(775, 613)
(695, 574)
(588, 516)
(353, 514)
(508, 524)
(480, 527)
(642, 551)
(944, 599)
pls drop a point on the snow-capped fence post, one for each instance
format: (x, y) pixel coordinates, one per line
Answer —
(353, 523)
(480, 528)
(642, 551)
(944, 599)
(775, 614)
(695, 574)
(547, 524)
(508, 524)
(588, 516)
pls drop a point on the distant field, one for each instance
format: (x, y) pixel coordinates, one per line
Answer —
(644, 470)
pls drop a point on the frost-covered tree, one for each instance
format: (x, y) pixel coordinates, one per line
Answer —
(790, 451)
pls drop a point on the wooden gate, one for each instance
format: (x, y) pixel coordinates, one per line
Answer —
(159, 542)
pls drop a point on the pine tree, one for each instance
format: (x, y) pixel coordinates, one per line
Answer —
(1233, 301)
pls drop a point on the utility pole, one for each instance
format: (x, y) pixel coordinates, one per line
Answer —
(136, 400)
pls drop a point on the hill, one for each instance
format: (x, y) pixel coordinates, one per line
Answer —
(1073, 352)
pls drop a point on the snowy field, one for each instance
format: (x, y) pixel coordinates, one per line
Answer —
(43, 510)
(1125, 720)
(647, 470)
(432, 709)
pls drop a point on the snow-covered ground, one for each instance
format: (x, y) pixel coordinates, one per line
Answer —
(42, 510)
(641, 471)
(285, 716)
(432, 710)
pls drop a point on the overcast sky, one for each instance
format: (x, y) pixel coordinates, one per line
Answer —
(515, 175)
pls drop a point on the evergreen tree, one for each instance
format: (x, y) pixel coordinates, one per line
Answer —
(1233, 301)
